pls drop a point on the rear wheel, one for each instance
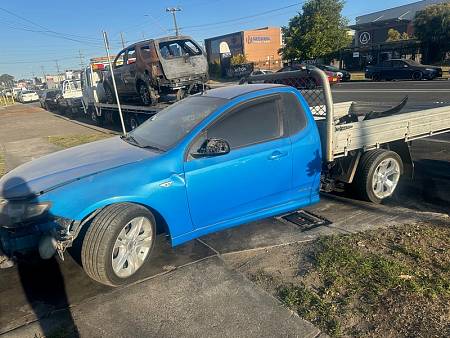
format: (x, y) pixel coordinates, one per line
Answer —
(376, 77)
(378, 175)
(118, 242)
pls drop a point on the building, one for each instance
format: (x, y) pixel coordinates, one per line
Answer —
(260, 46)
(370, 43)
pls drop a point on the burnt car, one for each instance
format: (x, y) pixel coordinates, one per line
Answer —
(402, 69)
(151, 68)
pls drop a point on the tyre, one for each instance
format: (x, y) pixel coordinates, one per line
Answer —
(146, 95)
(417, 75)
(118, 242)
(378, 175)
(376, 77)
(132, 122)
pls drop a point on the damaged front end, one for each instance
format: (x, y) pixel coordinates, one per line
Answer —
(42, 232)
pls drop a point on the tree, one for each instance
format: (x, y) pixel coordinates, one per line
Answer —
(432, 28)
(395, 35)
(317, 31)
(238, 59)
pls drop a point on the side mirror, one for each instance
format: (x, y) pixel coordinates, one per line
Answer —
(212, 147)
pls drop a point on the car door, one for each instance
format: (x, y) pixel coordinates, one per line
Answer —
(401, 69)
(255, 175)
(129, 71)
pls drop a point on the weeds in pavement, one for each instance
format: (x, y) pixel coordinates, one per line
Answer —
(76, 140)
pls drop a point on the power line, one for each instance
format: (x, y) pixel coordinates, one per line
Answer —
(244, 17)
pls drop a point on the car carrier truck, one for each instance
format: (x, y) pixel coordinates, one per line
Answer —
(209, 162)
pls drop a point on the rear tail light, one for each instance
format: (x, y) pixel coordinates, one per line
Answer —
(98, 66)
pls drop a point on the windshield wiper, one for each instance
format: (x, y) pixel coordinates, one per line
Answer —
(154, 148)
(130, 139)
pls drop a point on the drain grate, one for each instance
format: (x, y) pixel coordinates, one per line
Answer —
(305, 220)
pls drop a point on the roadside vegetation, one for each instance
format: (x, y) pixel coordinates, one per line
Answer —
(381, 283)
(69, 141)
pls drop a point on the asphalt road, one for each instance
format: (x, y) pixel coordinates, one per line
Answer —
(420, 93)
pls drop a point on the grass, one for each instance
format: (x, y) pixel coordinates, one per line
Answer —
(76, 140)
(377, 279)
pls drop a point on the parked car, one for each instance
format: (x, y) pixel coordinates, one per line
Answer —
(341, 73)
(48, 99)
(151, 68)
(27, 96)
(402, 69)
(311, 82)
(69, 99)
(261, 72)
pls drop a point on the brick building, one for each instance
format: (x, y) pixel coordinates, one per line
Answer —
(260, 46)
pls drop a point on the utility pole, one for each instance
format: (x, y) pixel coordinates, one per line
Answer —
(57, 67)
(173, 10)
(122, 39)
(81, 59)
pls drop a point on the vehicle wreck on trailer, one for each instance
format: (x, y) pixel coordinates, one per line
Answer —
(149, 69)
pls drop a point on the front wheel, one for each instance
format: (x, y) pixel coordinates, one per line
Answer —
(378, 175)
(118, 242)
(417, 76)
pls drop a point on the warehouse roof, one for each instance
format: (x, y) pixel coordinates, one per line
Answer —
(405, 12)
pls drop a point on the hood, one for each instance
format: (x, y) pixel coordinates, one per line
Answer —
(69, 165)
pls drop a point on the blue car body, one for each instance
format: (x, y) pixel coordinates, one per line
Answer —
(192, 197)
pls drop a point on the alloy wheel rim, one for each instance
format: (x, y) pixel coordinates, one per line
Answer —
(385, 178)
(132, 247)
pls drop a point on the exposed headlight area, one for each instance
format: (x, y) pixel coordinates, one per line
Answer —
(14, 213)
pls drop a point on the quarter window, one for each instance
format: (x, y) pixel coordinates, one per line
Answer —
(131, 56)
(119, 60)
(251, 124)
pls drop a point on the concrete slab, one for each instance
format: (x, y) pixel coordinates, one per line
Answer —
(201, 300)
(31, 291)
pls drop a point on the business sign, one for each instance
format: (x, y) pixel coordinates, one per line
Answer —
(239, 71)
(364, 38)
(258, 39)
(356, 54)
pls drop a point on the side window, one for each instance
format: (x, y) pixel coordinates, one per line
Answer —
(386, 64)
(118, 62)
(190, 47)
(251, 124)
(131, 56)
(294, 115)
(397, 64)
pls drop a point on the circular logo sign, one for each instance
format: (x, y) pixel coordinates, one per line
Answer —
(364, 38)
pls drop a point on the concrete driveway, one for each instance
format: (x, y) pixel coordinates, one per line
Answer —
(189, 290)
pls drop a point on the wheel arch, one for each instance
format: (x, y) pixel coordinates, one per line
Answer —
(86, 215)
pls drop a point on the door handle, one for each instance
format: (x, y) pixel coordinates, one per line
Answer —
(277, 154)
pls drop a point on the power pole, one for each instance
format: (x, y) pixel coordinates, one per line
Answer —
(122, 39)
(57, 67)
(81, 59)
(173, 10)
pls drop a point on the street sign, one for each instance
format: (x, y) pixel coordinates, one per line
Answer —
(356, 54)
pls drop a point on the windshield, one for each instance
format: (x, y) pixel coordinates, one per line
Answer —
(171, 125)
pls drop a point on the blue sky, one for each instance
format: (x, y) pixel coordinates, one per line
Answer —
(35, 33)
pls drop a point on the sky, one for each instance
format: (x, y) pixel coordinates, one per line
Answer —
(34, 34)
